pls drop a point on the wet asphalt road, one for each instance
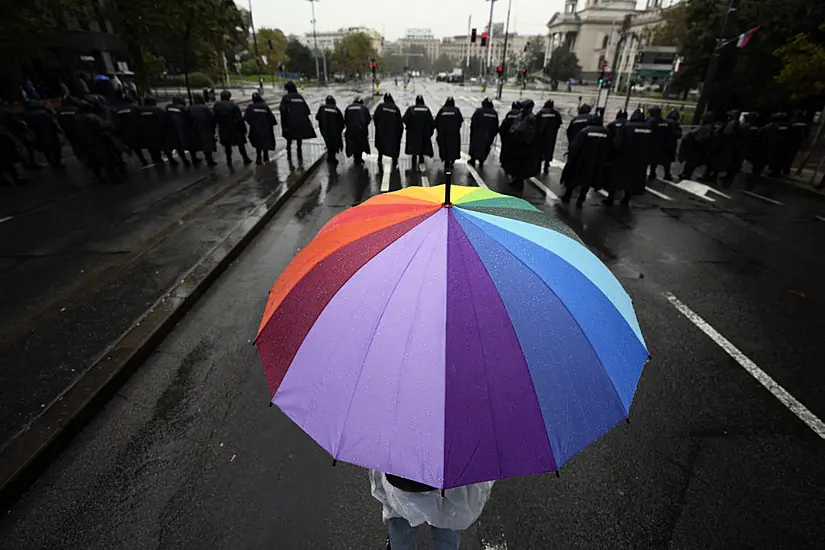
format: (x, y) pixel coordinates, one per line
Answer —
(188, 455)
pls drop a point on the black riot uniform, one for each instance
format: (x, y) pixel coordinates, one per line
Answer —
(798, 130)
(150, 132)
(295, 123)
(587, 161)
(357, 121)
(525, 139)
(46, 132)
(777, 142)
(20, 131)
(448, 123)
(504, 134)
(483, 131)
(752, 144)
(734, 137)
(231, 127)
(578, 123)
(262, 124)
(98, 145)
(203, 130)
(632, 147)
(695, 146)
(388, 130)
(549, 124)
(331, 123)
(124, 121)
(67, 119)
(420, 126)
(178, 128)
(666, 134)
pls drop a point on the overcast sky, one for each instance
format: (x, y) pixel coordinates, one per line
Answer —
(444, 17)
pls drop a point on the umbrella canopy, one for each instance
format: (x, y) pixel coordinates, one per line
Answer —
(100, 77)
(450, 344)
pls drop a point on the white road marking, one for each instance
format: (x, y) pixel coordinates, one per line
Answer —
(385, 180)
(603, 193)
(717, 192)
(556, 163)
(425, 181)
(147, 166)
(692, 187)
(473, 172)
(760, 197)
(550, 195)
(821, 218)
(658, 194)
(761, 376)
(7, 218)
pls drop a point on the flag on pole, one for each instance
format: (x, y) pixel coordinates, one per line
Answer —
(745, 37)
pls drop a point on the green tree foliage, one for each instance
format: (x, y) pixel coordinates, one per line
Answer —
(443, 64)
(747, 77)
(352, 55)
(301, 59)
(803, 69)
(563, 65)
(534, 54)
(24, 25)
(279, 53)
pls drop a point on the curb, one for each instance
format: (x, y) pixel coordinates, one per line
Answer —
(29, 455)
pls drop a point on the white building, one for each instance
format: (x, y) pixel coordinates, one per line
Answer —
(421, 38)
(327, 40)
(593, 33)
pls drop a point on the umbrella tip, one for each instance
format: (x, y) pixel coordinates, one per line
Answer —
(334, 462)
(558, 474)
(270, 403)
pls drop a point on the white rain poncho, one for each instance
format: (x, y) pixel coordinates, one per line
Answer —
(457, 509)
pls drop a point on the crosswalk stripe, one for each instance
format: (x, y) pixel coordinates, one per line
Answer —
(549, 194)
(692, 187)
(760, 197)
(477, 177)
(658, 194)
(425, 181)
(385, 181)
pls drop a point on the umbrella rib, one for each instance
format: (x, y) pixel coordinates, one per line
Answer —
(601, 364)
(369, 346)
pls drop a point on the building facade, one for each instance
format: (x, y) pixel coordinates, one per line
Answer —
(594, 32)
(327, 40)
(420, 38)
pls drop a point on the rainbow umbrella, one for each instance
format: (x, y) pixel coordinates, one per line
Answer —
(450, 343)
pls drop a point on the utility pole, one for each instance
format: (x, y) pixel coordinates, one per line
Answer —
(257, 55)
(504, 56)
(315, 47)
(710, 75)
(469, 45)
(490, 38)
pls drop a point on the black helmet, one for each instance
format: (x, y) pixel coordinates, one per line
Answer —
(655, 111)
(178, 100)
(622, 114)
(450, 102)
(527, 105)
(256, 97)
(198, 99)
(226, 95)
(358, 100)
(148, 100)
(329, 100)
(584, 109)
(707, 118)
(674, 115)
(637, 116)
(595, 119)
(419, 100)
(290, 87)
(388, 98)
(487, 103)
(515, 105)
(549, 104)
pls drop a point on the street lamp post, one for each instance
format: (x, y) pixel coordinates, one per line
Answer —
(257, 54)
(504, 56)
(315, 49)
(489, 38)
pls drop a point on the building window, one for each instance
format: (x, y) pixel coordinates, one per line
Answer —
(605, 40)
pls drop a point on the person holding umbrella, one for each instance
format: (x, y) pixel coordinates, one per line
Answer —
(448, 123)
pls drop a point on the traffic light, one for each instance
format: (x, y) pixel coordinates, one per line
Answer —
(374, 65)
(499, 70)
(484, 39)
(473, 36)
(601, 79)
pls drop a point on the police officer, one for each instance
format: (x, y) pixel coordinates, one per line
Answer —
(797, 132)
(666, 134)
(357, 120)
(525, 156)
(331, 123)
(388, 130)
(504, 134)
(151, 129)
(203, 131)
(262, 124)
(295, 123)
(549, 123)
(178, 128)
(581, 121)
(125, 127)
(695, 146)
(587, 160)
(632, 146)
(420, 127)
(231, 127)
(46, 132)
(483, 130)
(448, 123)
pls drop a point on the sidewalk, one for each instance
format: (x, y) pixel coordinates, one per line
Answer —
(87, 264)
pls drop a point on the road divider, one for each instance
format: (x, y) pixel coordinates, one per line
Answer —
(762, 198)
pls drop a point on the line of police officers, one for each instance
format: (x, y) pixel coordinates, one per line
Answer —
(100, 135)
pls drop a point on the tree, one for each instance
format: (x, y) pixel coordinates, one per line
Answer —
(803, 68)
(300, 58)
(747, 77)
(279, 53)
(352, 55)
(534, 54)
(563, 65)
(443, 64)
